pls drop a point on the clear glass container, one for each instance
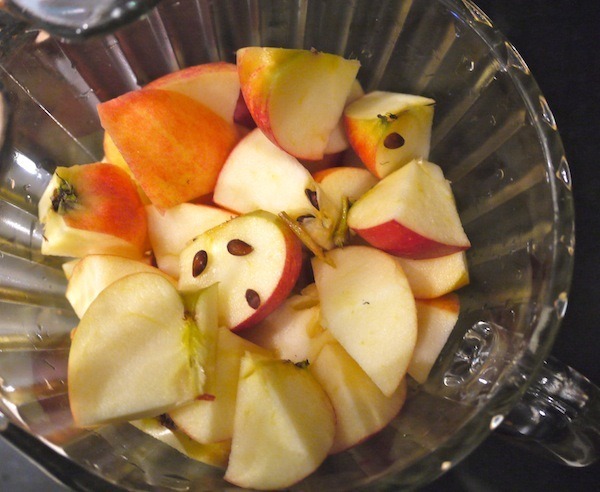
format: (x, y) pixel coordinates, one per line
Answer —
(493, 135)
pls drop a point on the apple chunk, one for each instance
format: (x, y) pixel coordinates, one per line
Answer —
(171, 230)
(258, 175)
(283, 428)
(410, 213)
(174, 145)
(361, 409)
(94, 273)
(216, 85)
(93, 208)
(134, 336)
(256, 260)
(368, 307)
(296, 97)
(434, 277)
(388, 129)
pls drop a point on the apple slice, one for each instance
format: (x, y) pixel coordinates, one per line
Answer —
(361, 409)
(93, 273)
(410, 213)
(388, 129)
(216, 85)
(338, 141)
(134, 336)
(437, 318)
(288, 331)
(93, 208)
(435, 277)
(163, 429)
(345, 181)
(210, 418)
(255, 258)
(368, 307)
(258, 175)
(174, 145)
(296, 97)
(171, 230)
(283, 428)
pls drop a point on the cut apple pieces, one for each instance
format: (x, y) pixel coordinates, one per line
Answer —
(296, 97)
(368, 307)
(174, 145)
(216, 85)
(361, 409)
(258, 175)
(283, 428)
(171, 230)
(209, 419)
(93, 273)
(387, 129)
(133, 337)
(434, 277)
(410, 213)
(288, 331)
(162, 429)
(437, 318)
(93, 208)
(256, 260)
(338, 141)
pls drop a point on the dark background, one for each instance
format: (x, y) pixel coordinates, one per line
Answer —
(559, 40)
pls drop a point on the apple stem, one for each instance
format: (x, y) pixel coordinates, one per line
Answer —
(305, 237)
(341, 229)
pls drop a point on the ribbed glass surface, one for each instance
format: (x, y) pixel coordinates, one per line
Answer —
(494, 136)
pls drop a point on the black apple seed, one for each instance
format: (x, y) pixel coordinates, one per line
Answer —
(237, 247)
(394, 141)
(312, 197)
(252, 298)
(199, 262)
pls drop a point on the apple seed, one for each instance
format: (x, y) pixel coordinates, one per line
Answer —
(199, 262)
(237, 247)
(165, 420)
(312, 197)
(393, 141)
(252, 298)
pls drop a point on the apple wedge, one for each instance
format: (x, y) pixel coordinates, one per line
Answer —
(209, 419)
(163, 429)
(216, 85)
(296, 97)
(368, 307)
(134, 336)
(171, 230)
(93, 208)
(174, 145)
(388, 129)
(345, 181)
(289, 330)
(284, 425)
(93, 273)
(437, 318)
(255, 258)
(410, 213)
(361, 409)
(435, 277)
(258, 175)
(338, 141)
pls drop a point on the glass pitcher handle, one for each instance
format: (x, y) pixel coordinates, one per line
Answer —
(72, 19)
(558, 416)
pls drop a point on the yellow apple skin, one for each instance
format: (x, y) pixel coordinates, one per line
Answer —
(216, 85)
(97, 201)
(174, 145)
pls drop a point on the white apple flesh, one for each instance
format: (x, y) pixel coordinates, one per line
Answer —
(368, 307)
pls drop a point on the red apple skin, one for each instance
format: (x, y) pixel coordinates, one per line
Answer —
(287, 281)
(108, 202)
(395, 239)
(174, 145)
